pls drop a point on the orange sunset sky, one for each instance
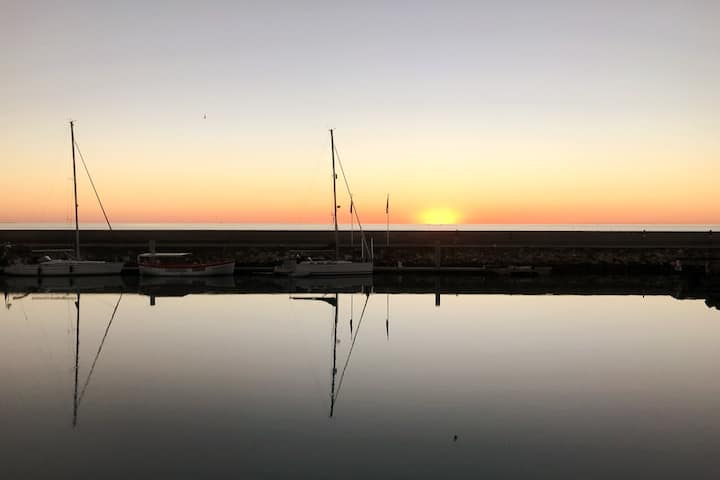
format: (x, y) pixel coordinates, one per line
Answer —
(464, 112)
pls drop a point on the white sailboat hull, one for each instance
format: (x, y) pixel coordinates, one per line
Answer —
(65, 268)
(325, 268)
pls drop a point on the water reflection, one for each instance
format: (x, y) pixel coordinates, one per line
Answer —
(234, 384)
(680, 287)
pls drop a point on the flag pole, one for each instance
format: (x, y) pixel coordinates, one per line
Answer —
(387, 316)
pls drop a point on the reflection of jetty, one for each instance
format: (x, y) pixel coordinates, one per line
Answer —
(427, 251)
(678, 286)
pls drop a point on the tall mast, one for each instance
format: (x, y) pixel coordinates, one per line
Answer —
(77, 357)
(77, 226)
(335, 208)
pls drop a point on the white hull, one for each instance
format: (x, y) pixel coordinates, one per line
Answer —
(227, 268)
(325, 268)
(64, 268)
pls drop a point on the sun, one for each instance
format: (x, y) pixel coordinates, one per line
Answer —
(439, 216)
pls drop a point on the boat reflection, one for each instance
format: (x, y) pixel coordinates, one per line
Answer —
(78, 392)
(68, 284)
(78, 397)
(154, 287)
(342, 284)
(334, 300)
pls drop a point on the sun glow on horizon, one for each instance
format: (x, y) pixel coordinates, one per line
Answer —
(439, 216)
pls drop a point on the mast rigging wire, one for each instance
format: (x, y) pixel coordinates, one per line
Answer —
(97, 355)
(352, 202)
(352, 345)
(77, 147)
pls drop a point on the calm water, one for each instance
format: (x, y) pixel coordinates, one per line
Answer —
(241, 386)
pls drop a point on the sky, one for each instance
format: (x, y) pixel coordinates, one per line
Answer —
(463, 112)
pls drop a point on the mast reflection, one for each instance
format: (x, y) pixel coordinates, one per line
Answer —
(77, 359)
(334, 301)
(78, 397)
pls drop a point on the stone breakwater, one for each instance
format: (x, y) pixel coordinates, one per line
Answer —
(571, 251)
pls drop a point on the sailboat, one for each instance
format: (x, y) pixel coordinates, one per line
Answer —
(308, 267)
(47, 266)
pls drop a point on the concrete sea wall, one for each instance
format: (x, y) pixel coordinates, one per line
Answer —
(409, 250)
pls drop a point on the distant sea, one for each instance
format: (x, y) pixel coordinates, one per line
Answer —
(604, 227)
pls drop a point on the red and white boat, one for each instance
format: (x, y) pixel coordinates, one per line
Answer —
(183, 264)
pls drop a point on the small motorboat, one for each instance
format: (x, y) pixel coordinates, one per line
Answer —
(183, 264)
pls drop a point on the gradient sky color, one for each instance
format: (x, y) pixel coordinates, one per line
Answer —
(496, 112)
